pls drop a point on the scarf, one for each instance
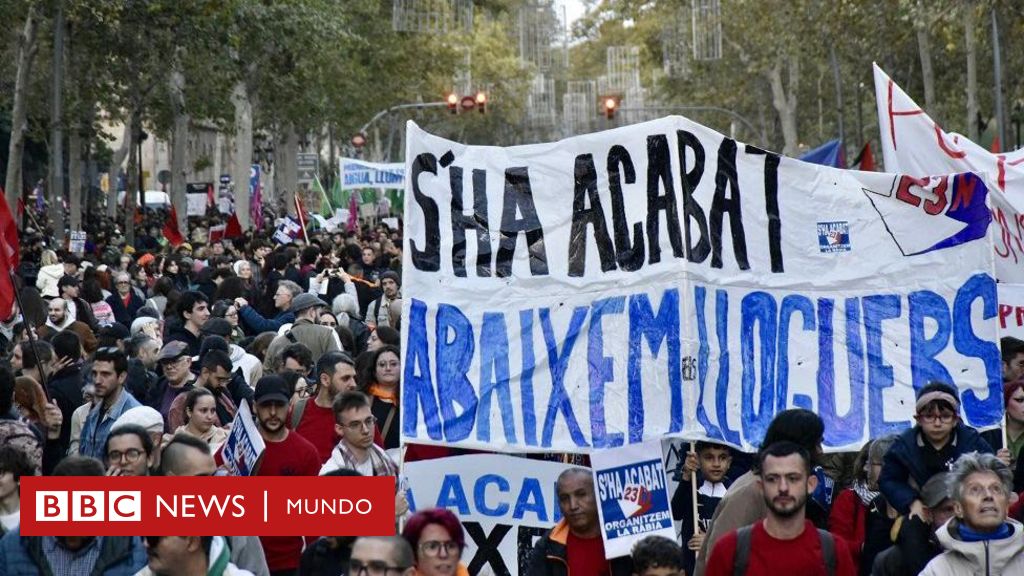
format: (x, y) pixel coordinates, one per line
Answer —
(866, 495)
(968, 535)
(68, 321)
(378, 391)
(381, 462)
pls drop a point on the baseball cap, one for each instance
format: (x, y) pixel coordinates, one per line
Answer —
(172, 351)
(217, 327)
(304, 301)
(271, 388)
(935, 490)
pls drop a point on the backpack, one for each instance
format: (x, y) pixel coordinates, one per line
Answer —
(742, 556)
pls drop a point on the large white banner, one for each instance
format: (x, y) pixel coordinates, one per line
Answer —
(505, 504)
(662, 278)
(357, 174)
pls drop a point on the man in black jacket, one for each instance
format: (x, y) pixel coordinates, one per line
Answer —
(915, 543)
(65, 384)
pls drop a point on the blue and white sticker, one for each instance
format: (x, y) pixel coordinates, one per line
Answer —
(834, 236)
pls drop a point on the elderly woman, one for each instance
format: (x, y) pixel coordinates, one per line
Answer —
(126, 302)
(437, 541)
(980, 539)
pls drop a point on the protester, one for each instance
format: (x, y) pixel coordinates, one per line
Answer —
(201, 419)
(129, 451)
(744, 504)
(315, 420)
(14, 463)
(71, 555)
(109, 371)
(242, 362)
(379, 312)
(1012, 350)
(980, 539)
(304, 330)
(78, 309)
(149, 420)
(193, 312)
(254, 323)
(64, 386)
(574, 546)
(657, 556)
(189, 555)
(214, 375)
(58, 319)
(175, 362)
(437, 541)
(390, 555)
(354, 423)
(383, 387)
(928, 448)
(785, 542)
(712, 461)
(914, 540)
(126, 303)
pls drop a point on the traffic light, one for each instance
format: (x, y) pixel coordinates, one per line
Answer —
(610, 104)
(453, 102)
(481, 101)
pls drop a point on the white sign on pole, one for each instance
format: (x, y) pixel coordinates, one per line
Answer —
(244, 447)
(357, 174)
(505, 504)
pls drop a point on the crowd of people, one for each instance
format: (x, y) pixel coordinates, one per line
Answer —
(134, 360)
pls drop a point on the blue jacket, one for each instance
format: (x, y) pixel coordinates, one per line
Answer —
(93, 441)
(904, 462)
(24, 556)
(256, 324)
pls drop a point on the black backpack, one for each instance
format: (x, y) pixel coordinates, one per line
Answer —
(742, 556)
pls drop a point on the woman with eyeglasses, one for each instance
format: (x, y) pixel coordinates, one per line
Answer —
(201, 419)
(437, 542)
(381, 384)
(227, 310)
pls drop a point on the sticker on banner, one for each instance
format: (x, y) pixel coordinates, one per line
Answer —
(834, 236)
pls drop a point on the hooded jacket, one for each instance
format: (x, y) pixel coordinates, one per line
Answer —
(904, 463)
(988, 557)
(252, 369)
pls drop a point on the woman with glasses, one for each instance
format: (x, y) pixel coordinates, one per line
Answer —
(201, 419)
(227, 310)
(381, 384)
(437, 542)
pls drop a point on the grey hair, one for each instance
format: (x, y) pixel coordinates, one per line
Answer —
(880, 446)
(401, 551)
(290, 286)
(347, 305)
(974, 463)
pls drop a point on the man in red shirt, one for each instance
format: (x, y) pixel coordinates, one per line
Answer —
(287, 454)
(313, 418)
(574, 546)
(785, 542)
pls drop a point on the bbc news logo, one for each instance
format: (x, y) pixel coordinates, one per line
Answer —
(88, 506)
(228, 506)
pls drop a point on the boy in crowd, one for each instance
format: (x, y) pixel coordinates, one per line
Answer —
(712, 462)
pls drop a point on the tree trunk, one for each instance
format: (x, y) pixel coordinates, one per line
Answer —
(55, 186)
(75, 177)
(924, 49)
(785, 103)
(286, 166)
(243, 152)
(15, 151)
(971, 43)
(131, 179)
(116, 161)
(179, 145)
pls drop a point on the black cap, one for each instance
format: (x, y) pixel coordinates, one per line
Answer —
(271, 388)
(217, 327)
(115, 330)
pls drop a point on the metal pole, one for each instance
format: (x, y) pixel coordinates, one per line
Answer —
(29, 331)
(860, 115)
(397, 107)
(998, 72)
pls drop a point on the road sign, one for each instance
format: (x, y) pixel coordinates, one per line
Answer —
(307, 164)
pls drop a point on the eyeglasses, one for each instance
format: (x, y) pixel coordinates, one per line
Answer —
(373, 568)
(945, 417)
(433, 547)
(131, 455)
(359, 424)
(231, 314)
(978, 491)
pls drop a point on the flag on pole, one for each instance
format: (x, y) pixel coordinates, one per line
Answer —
(171, 231)
(865, 160)
(353, 211)
(9, 232)
(326, 208)
(234, 227)
(302, 218)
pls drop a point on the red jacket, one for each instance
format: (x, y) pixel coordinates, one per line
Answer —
(847, 521)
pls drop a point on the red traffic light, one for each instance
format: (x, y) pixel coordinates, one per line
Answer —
(610, 104)
(453, 102)
(481, 101)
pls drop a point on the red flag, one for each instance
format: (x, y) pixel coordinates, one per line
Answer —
(866, 160)
(996, 146)
(302, 217)
(353, 212)
(171, 231)
(216, 233)
(9, 232)
(234, 227)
